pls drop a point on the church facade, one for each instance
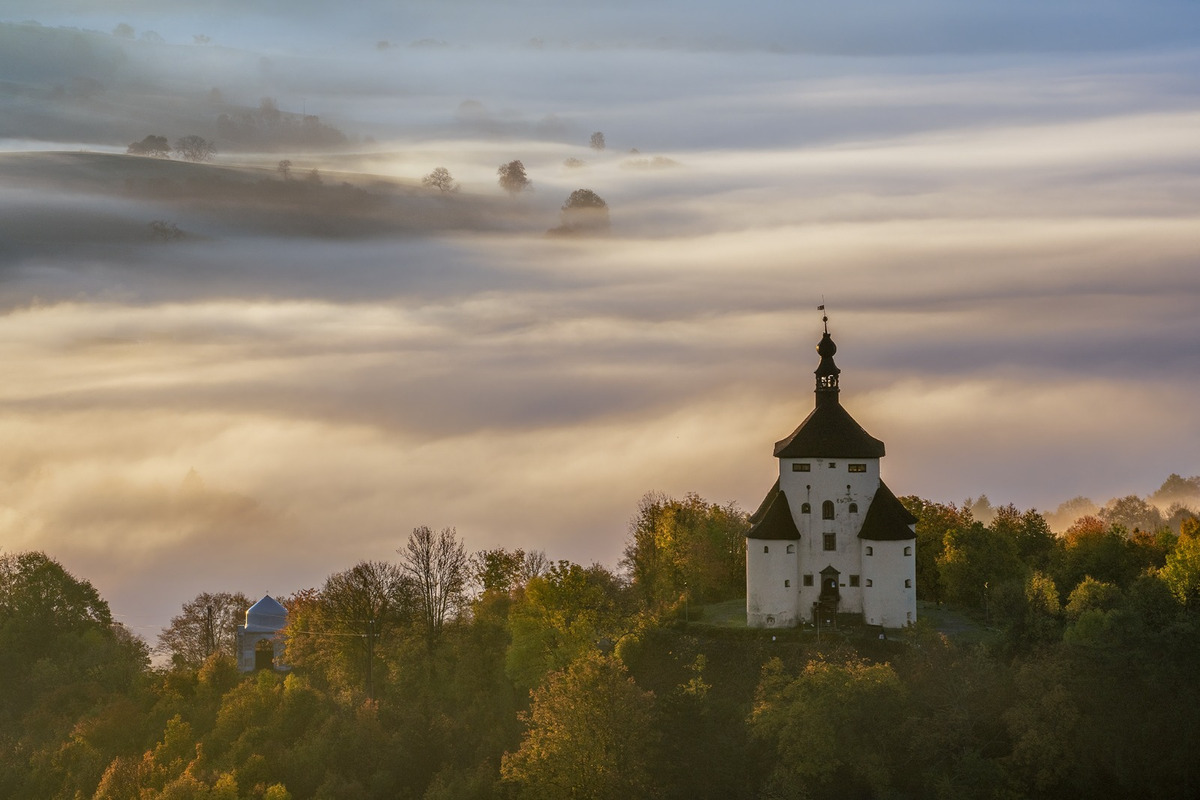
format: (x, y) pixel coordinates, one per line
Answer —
(830, 537)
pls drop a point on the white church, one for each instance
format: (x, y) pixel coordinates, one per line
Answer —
(830, 538)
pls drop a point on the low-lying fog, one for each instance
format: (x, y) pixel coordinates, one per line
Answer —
(999, 209)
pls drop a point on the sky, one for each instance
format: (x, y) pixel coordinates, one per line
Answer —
(996, 202)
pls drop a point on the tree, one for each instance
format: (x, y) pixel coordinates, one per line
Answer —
(597, 141)
(152, 145)
(590, 736)
(436, 565)
(284, 168)
(1132, 513)
(513, 178)
(584, 212)
(195, 148)
(207, 624)
(687, 546)
(934, 521)
(560, 615)
(336, 632)
(832, 728)
(975, 561)
(1182, 572)
(440, 179)
(165, 231)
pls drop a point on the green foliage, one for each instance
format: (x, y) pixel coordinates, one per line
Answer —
(590, 735)
(1181, 574)
(975, 562)
(561, 615)
(207, 624)
(831, 730)
(934, 521)
(688, 546)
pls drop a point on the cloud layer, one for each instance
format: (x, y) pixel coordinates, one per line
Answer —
(1006, 244)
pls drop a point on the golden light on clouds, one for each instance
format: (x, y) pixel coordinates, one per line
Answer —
(1006, 245)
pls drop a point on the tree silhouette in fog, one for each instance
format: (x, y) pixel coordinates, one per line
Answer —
(513, 178)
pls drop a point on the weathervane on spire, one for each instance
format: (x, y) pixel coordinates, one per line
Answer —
(824, 316)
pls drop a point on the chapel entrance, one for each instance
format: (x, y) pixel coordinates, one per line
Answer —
(264, 654)
(827, 603)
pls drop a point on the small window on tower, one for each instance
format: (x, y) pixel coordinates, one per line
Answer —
(870, 583)
(908, 551)
(854, 580)
(766, 549)
(870, 550)
(801, 467)
(787, 584)
(908, 583)
(854, 508)
(806, 508)
(791, 548)
(808, 580)
(827, 509)
(858, 467)
(833, 465)
(830, 541)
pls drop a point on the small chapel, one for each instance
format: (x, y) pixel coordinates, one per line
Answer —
(261, 641)
(830, 539)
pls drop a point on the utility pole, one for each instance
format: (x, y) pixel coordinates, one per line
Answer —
(370, 659)
(210, 636)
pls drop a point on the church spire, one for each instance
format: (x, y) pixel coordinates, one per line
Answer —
(827, 372)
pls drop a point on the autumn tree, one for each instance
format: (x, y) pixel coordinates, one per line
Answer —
(934, 521)
(337, 631)
(440, 179)
(513, 178)
(195, 148)
(589, 736)
(560, 615)
(152, 145)
(688, 546)
(831, 729)
(206, 625)
(436, 567)
(975, 562)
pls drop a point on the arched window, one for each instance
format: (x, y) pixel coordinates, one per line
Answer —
(854, 508)
(908, 551)
(870, 550)
(766, 549)
(791, 548)
(908, 583)
(806, 508)
(827, 509)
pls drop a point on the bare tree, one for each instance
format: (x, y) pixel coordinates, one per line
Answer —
(368, 602)
(440, 179)
(513, 178)
(437, 566)
(206, 625)
(195, 148)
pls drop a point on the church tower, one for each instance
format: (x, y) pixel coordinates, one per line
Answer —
(830, 538)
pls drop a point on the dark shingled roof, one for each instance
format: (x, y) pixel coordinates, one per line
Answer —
(887, 519)
(773, 519)
(829, 432)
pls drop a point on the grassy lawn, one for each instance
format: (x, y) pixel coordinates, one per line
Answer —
(729, 614)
